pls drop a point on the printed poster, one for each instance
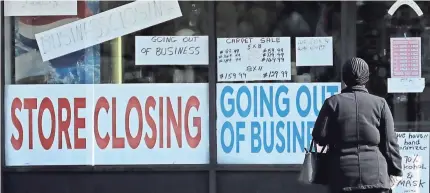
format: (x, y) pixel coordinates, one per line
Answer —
(171, 50)
(254, 58)
(405, 57)
(314, 51)
(106, 124)
(414, 148)
(268, 123)
(80, 67)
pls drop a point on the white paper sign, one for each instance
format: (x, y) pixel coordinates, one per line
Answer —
(314, 51)
(405, 57)
(105, 26)
(172, 50)
(406, 85)
(254, 58)
(414, 149)
(40, 8)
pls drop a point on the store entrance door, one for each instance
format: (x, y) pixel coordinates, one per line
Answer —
(375, 28)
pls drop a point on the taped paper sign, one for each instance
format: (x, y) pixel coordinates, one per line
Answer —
(406, 85)
(405, 57)
(254, 58)
(105, 26)
(314, 51)
(172, 50)
(414, 148)
(40, 8)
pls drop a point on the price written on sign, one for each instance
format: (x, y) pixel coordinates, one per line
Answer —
(414, 148)
(256, 58)
(314, 51)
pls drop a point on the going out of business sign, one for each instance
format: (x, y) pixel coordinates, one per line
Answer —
(267, 123)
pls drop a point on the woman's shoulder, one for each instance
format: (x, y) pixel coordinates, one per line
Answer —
(370, 98)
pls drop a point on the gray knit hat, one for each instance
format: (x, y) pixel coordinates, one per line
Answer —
(355, 72)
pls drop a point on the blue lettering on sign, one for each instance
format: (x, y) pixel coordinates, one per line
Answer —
(264, 117)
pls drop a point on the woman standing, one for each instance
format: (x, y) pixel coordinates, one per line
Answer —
(358, 129)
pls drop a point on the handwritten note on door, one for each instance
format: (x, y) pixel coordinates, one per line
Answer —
(40, 8)
(414, 148)
(254, 58)
(314, 51)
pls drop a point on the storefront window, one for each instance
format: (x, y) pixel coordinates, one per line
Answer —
(109, 62)
(277, 61)
(374, 29)
(69, 96)
(285, 19)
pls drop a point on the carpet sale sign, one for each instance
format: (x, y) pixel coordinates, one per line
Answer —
(106, 124)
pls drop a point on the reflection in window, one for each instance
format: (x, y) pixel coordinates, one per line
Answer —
(80, 67)
(374, 30)
(284, 19)
(109, 62)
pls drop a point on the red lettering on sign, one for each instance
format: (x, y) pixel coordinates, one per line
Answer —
(80, 103)
(65, 114)
(177, 124)
(16, 141)
(150, 141)
(133, 103)
(193, 142)
(102, 142)
(63, 125)
(118, 142)
(30, 104)
(46, 142)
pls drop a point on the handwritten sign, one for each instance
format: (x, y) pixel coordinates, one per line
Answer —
(314, 51)
(414, 148)
(257, 58)
(40, 8)
(171, 50)
(105, 26)
(406, 85)
(405, 57)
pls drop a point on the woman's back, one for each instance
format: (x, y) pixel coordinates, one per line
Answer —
(359, 129)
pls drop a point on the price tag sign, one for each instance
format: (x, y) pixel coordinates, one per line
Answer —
(254, 58)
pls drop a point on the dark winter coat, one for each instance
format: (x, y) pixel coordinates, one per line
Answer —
(359, 130)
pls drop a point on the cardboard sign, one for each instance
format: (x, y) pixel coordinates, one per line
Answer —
(105, 26)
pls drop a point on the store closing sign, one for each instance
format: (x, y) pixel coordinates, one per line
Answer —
(105, 26)
(106, 124)
(268, 123)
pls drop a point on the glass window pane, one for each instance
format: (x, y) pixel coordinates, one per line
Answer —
(374, 29)
(109, 62)
(285, 19)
